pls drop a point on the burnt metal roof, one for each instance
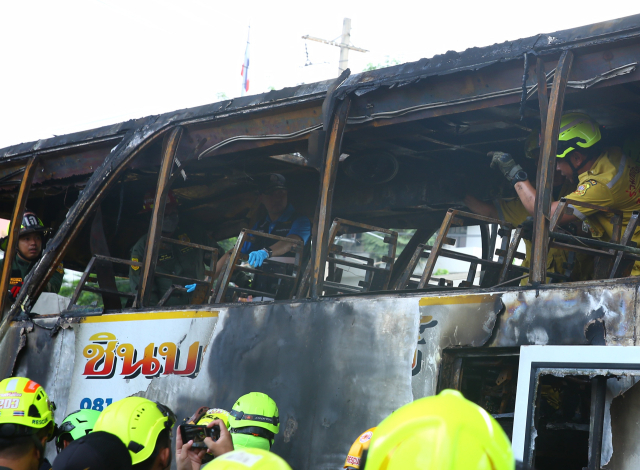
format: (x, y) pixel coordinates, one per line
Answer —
(395, 76)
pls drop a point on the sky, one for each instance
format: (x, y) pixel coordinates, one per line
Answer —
(72, 65)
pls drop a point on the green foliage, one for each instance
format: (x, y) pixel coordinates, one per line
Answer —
(387, 63)
(222, 96)
(91, 298)
(373, 243)
(227, 244)
(441, 272)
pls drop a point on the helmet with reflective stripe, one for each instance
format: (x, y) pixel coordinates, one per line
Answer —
(577, 130)
(149, 200)
(255, 409)
(138, 423)
(359, 446)
(248, 459)
(30, 224)
(441, 432)
(215, 413)
(25, 408)
(76, 425)
(212, 414)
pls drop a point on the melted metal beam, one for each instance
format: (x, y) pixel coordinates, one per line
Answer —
(329, 173)
(546, 169)
(153, 241)
(14, 231)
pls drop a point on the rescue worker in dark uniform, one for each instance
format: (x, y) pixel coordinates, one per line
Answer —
(28, 254)
(282, 220)
(173, 259)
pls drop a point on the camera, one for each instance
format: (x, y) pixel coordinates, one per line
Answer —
(197, 434)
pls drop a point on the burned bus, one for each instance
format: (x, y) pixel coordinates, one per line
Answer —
(366, 317)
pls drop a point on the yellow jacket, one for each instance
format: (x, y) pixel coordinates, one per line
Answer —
(613, 182)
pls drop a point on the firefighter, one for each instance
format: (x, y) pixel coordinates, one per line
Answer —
(513, 211)
(26, 424)
(254, 421)
(28, 254)
(254, 459)
(173, 259)
(438, 432)
(359, 446)
(144, 427)
(282, 220)
(604, 177)
(211, 415)
(76, 425)
(191, 459)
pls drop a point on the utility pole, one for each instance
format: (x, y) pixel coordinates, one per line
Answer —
(344, 45)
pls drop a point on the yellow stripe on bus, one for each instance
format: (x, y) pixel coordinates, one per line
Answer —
(151, 316)
(458, 299)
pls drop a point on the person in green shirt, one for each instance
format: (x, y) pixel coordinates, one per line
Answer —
(28, 254)
(178, 260)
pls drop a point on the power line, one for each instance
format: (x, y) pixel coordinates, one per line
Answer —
(344, 45)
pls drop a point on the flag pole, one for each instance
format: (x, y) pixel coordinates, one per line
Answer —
(245, 66)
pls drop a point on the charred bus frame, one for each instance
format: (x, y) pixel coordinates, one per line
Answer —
(310, 127)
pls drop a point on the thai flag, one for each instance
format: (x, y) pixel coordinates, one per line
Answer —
(18, 413)
(245, 68)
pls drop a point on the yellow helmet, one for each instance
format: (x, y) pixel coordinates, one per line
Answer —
(577, 130)
(443, 432)
(359, 446)
(137, 422)
(215, 413)
(253, 459)
(212, 414)
(25, 408)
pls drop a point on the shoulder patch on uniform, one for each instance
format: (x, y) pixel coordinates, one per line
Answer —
(60, 268)
(582, 188)
(135, 268)
(184, 238)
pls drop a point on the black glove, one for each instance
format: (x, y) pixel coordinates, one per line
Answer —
(505, 163)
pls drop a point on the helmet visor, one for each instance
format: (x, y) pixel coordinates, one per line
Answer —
(567, 146)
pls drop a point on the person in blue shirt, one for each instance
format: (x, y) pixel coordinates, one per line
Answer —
(282, 220)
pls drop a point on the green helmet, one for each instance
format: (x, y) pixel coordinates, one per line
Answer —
(577, 130)
(137, 422)
(445, 431)
(254, 459)
(76, 425)
(255, 414)
(30, 223)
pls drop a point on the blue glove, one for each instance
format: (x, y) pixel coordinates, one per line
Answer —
(191, 287)
(256, 258)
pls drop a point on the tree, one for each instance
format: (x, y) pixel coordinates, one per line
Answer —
(387, 63)
(373, 243)
(91, 298)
